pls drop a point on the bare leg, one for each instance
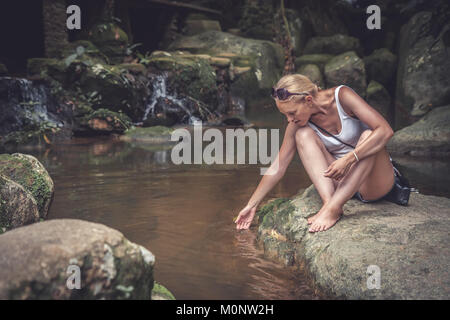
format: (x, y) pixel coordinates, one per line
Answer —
(372, 175)
(315, 159)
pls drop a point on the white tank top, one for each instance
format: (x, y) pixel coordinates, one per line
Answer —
(351, 130)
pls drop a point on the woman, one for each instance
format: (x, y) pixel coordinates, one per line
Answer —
(337, 171)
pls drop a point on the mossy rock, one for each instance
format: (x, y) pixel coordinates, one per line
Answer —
(312, 71)
(346, 68)
(193, 77)
(381, 66)
(104, 120)
(160, 292)
(110, 39)
(44, 66)
(156, 134)
(27, 171)
(17, 206)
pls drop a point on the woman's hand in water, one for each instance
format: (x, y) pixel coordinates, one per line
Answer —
(245, 217)
(339, 168)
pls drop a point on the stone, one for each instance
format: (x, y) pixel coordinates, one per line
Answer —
(429, 137)
(378, 97)
(38, 262)
(155, 134)
(333, 45)
(220, 62)
(17, 206)
(319, 60)
(27, 171)
(298, 29)
(266, 57)
(423, 68)
(409, 245)
(346, 68)
(110, 39)
(312, 71)
(381, 66)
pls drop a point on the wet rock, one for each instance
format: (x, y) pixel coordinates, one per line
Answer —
(27, 171)
(40, 261)
(312, 71)
(17, 206)
(378, 97)
(430, 136)
(188, 76)
(334, 45)
(103, 121)
(422, 77)
(156, 134)
(407, 244)
(346, 68)
(381, 66)
(266, 57)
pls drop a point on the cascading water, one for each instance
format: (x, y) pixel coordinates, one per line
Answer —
(175, 105)
(25, 105)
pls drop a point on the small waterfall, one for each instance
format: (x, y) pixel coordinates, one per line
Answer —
(25, 104)
(176, 104)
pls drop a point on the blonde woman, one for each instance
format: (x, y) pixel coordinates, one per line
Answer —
(337, 171)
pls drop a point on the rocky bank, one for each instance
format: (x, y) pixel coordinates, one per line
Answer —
(408, 244)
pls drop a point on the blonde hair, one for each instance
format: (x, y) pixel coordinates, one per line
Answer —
(297, 83)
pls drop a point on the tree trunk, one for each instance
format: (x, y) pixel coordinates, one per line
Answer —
(55, 29)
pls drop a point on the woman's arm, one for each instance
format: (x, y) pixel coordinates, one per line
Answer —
(277, 168)
(381, 130)
(380, 135)
(275, 172)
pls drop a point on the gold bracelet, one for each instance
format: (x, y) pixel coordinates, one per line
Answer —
(354, 153)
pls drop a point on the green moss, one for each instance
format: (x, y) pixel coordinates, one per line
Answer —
(21, 171)
(270, 207)
(162, 292)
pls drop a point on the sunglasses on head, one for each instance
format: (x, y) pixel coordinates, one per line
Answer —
(283, 94)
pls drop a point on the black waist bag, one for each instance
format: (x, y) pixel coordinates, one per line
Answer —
(401, 190)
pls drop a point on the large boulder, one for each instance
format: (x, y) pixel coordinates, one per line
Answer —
(379, 98)
(430, 136)
(333, 45)
(312, 71)
(381, 66)
(407, 247)
(17, 206)
(346, 68)
(27, 171)
(422, 76)
(265, 57)
(42, 261)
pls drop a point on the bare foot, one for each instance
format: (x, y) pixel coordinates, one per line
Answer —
(327, 218)
(314, 217)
